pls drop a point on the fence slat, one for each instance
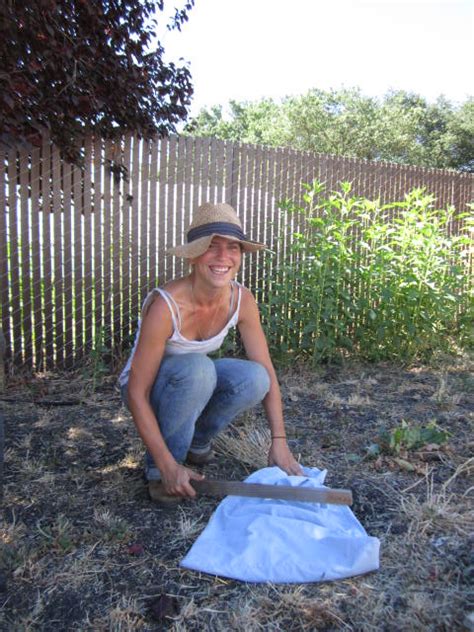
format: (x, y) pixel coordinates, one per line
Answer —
(117, 250)
(144, 215)
(162, 262)
(288, 193)
(107, 237)
(249, 204)
(26, 275)
(179, 211)
(269, 216)
(205, 160)
(220, 172)
(58, 260)
(242, 191)
(111, 239)
(260, 212)
(78, 263)
(153, 241)
(134, 228)
(15, 259)
(212, 171)
(89, 333)
(126, 309)
(188, 179)
(46, 252)
(97, 237)
(170, 204)
(231, 167)
(37, 345)
(68, 267)
(4, 262)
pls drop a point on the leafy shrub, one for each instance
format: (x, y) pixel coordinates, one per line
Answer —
(373, 281)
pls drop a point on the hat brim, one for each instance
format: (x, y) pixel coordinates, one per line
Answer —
(199, 246)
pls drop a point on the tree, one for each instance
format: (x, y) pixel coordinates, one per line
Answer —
(260, 122)
(461, 128)
(402, 127)
(71, 65)
(335, 122)
(413, 131)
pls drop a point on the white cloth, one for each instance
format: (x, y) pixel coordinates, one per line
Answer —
(265, 540)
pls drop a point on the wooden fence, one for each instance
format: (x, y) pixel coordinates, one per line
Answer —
(80, 248)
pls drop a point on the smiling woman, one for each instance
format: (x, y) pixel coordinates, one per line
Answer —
(179, 398)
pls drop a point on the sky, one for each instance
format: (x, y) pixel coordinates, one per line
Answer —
(246, 50)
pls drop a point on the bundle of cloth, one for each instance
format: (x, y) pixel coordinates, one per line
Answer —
(280, 541)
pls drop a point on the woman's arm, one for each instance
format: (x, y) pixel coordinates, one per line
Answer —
(155, 329)
(256, 348)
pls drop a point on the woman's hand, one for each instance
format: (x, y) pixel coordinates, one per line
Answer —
(280, 454)
(176, 480)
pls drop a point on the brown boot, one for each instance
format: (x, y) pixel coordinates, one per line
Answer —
(194, 458)
(157, 494)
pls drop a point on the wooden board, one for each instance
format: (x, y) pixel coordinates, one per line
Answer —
(280, 492)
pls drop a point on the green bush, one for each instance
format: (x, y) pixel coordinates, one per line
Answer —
(379, 282)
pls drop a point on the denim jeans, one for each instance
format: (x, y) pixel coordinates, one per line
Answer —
(194, 398)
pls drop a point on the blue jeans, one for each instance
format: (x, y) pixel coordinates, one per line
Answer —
(194, 398)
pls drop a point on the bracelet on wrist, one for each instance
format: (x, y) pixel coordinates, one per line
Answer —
(279, 437)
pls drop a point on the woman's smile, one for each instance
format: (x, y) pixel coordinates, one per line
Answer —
(219, 270)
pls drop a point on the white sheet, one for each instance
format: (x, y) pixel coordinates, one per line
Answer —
(264, 540)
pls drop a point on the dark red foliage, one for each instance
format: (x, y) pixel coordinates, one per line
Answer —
(74, 65)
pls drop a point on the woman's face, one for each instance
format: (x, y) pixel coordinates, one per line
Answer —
(220, 263)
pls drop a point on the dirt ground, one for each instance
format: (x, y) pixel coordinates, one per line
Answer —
(84, 549)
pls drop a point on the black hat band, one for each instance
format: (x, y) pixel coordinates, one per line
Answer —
(222, 228)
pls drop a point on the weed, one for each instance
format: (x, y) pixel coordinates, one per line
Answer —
(408, 437)
(114, 528)
(59, 535)
(368, 280)
(95, 366)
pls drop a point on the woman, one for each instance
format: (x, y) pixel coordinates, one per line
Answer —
(179, 398)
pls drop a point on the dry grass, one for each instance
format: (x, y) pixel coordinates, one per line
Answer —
(443, 395)
(359, 400)
(440, 510)
(188, 527)
(248, 445)
(82, 549)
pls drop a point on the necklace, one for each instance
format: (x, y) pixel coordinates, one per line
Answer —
(211, 326)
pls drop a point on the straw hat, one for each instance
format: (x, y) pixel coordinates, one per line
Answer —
(213, 220)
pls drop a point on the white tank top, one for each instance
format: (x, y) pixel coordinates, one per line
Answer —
(177, 343)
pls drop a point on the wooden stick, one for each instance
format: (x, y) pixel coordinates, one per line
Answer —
(281, 492)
